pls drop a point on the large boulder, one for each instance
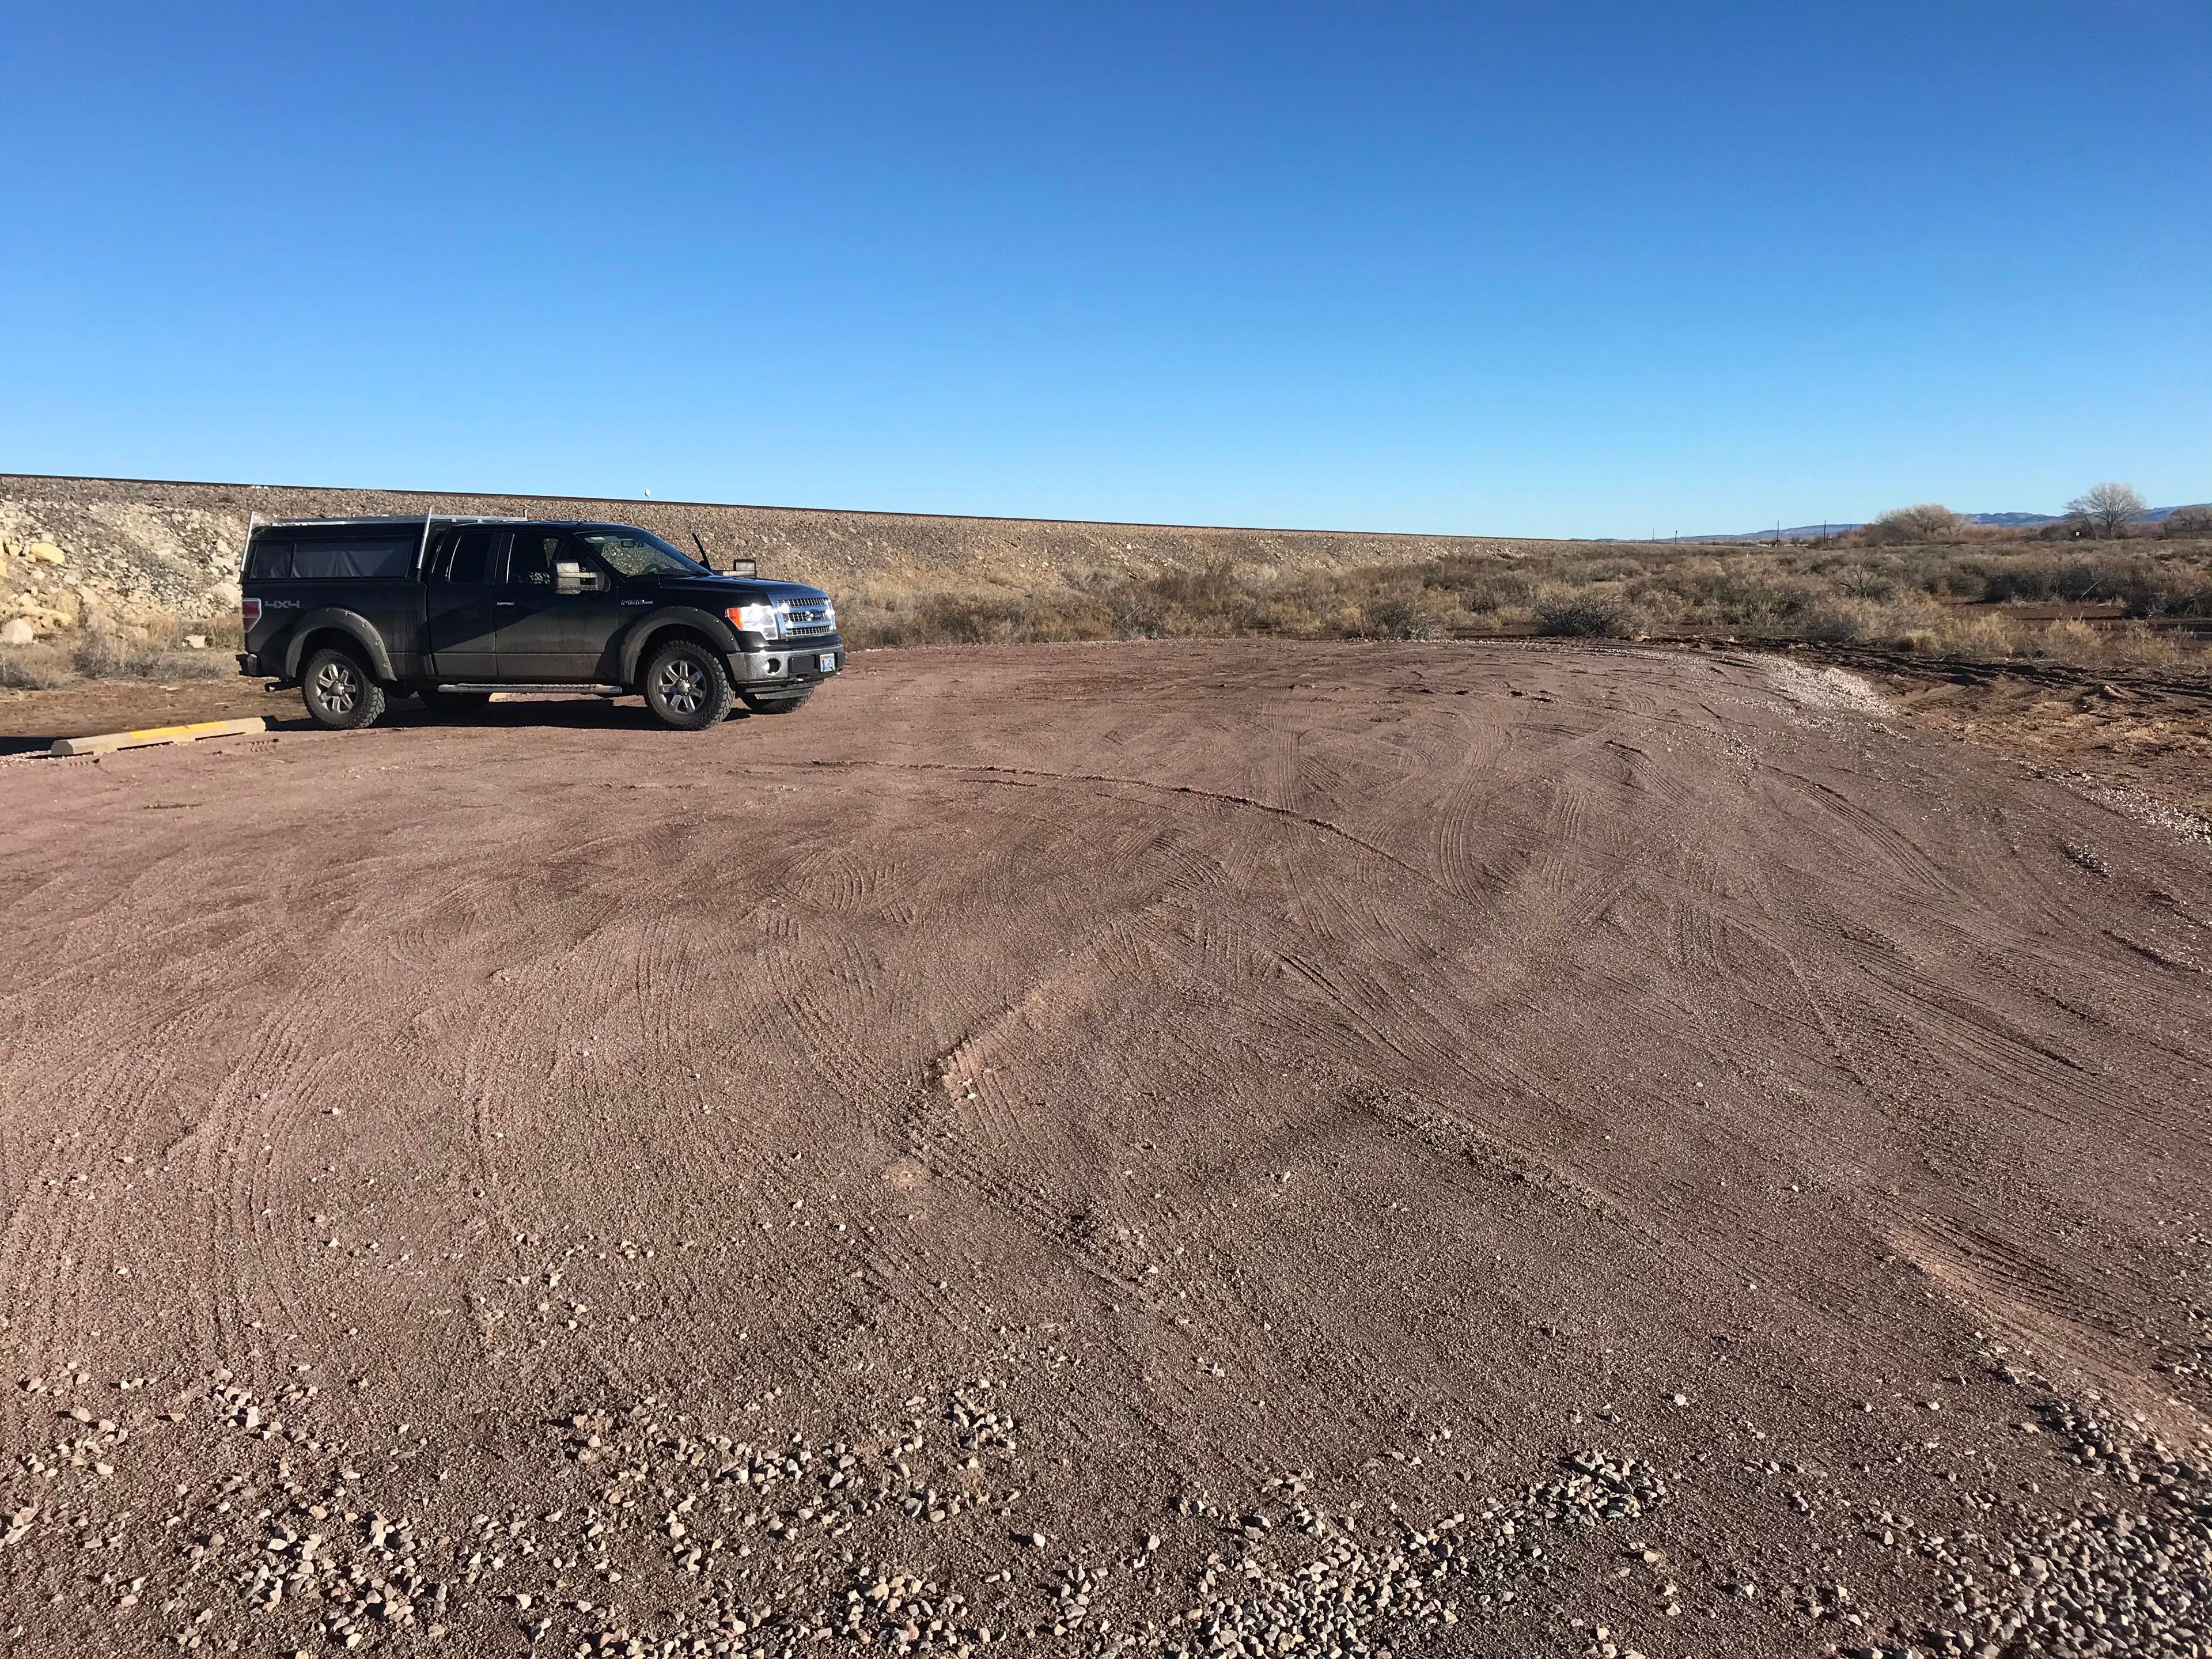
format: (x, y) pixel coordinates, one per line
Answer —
(17, 630)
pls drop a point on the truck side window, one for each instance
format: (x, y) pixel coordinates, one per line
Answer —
(532, 560)
(471, 553)
(352, 561)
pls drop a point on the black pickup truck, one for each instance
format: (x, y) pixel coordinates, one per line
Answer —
(356, 611)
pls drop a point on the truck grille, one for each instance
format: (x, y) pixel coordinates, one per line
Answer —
(804, 617)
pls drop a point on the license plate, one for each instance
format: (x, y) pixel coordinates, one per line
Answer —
(827, 662)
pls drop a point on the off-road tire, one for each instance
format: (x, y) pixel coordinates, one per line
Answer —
(338, 691)
(687, 686)
(454, 705)
(791, 703)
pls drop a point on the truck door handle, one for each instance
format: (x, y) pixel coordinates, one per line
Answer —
(507, 605)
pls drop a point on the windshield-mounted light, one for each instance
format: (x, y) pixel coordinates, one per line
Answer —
(754, 619)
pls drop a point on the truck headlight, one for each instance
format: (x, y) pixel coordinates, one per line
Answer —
(754, 619)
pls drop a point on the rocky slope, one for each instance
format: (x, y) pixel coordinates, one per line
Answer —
(68, 545)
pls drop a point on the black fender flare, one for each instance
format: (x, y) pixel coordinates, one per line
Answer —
(641, 635)
(354, 625)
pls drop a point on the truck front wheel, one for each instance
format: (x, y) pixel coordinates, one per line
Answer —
(338, 691)
(687, 687)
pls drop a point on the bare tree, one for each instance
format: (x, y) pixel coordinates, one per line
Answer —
(1930, 521)
(2108, 509)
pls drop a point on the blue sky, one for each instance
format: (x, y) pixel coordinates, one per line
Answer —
(1557, 269)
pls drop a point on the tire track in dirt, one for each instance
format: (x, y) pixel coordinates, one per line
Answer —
(1029, 773)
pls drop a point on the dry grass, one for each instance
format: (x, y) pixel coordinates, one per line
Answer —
(148, 646)
(34, 668)
(1954, 600)
(1965, 601)
(104, 656)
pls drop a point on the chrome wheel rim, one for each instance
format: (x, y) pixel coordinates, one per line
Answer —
(335, 687)
(683, 687)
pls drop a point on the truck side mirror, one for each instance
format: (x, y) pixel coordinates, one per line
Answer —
(570, 577)
(724, 566)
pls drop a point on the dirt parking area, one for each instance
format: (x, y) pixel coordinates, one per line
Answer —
(31, 720)
(1149, 1148)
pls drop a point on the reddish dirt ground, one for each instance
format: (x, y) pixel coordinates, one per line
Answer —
(1221, 1147)
(31, 720)
(2144, 735)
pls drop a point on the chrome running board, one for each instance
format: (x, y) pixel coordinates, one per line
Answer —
(569, 686)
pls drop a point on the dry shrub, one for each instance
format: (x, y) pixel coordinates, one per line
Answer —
(2167, 588)
(1930, 521)
(205, 664)
(2134, 646)
(147, 649)
(107, 652)
(1904, 621)
(1887, 597)
(970, 618)
(1297, 616)
(1478, 585)
(2129, 645)
(226, 633)
(1745, 593)
(1078, 617)
(1842, 621)
(1585, 612)
(2162, 583)
(2053, 576)
(34, 668)
(1866, 582)
(1978, 638)
(1404, 611)
(2068, 641)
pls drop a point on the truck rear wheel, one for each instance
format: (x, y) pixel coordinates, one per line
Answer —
(687, 687)
(338, 691)
(784, 704)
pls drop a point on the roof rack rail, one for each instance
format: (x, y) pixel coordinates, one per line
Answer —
(395, 519)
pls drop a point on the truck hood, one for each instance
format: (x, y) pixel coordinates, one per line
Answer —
(716, 593)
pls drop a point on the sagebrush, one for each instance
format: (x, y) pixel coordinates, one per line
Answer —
(1970, 599)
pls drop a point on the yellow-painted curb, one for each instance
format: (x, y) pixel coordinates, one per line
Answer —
(108, 742)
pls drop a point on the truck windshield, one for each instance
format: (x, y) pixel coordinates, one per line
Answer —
(639, 553)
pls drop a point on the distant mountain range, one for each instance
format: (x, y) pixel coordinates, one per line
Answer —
(1805, 532)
